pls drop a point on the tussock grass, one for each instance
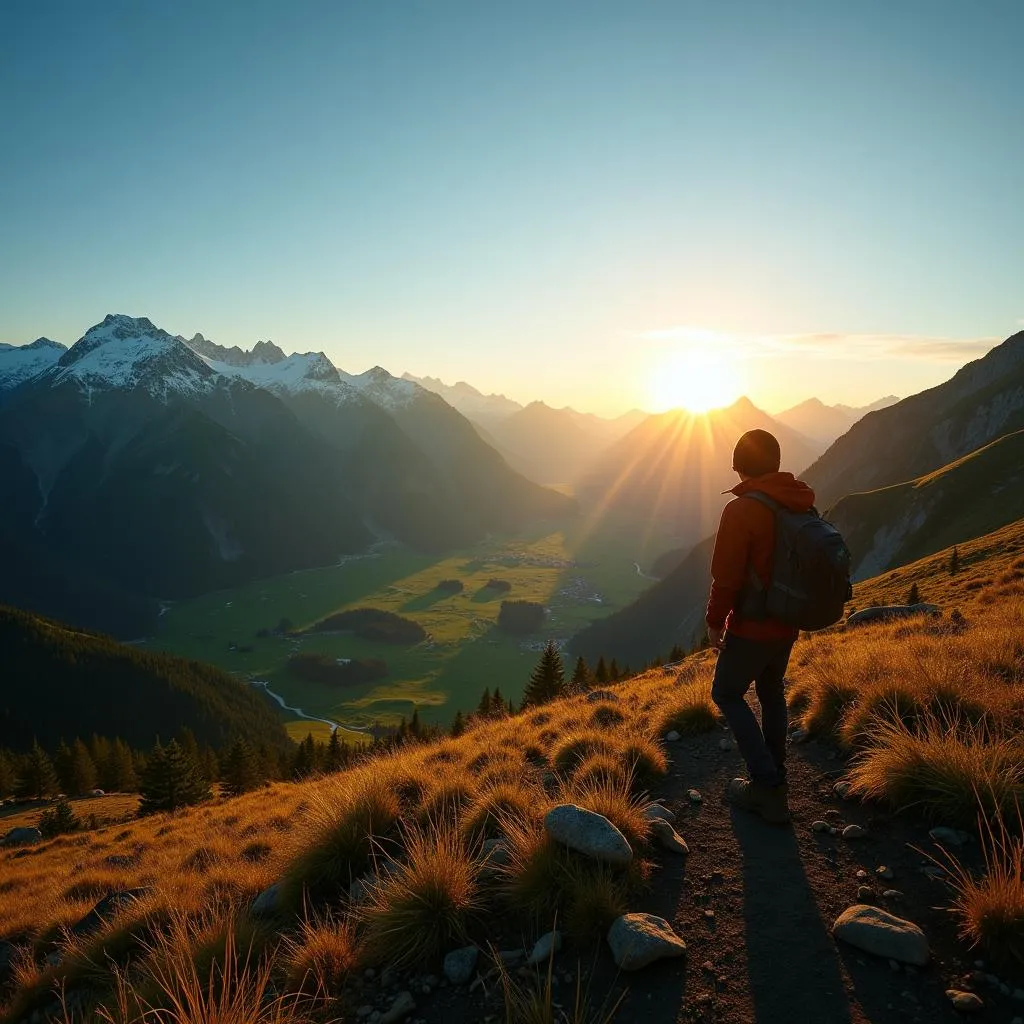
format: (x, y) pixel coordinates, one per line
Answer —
(614, 799)
(575, 747)
(690, 710)
(599, 768)
(643, 758)
(426, 905)
(499, 803)
(320, 958)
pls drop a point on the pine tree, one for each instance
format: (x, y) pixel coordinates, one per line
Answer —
(676, 654)
(497, 703)
(62, 766)
(335, 755)
(913, 595)
(171, 780)
(510, 707)
(484, 707)
(580, 676)
(8, 775)
(59, 819)
(36, 777)
(954, 561)
(83, 771)
(415, 728)
(101, 751)
(240, 772)
(119, 773)
(613, 671)
(547, 680)
(458, 725)
(305, 758)
(601, 672)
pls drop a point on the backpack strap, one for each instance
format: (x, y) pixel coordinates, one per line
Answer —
(763, 499)
(752, 595)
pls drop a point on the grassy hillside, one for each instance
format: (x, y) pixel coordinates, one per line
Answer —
(580, 574)
(931, 708)
(968, 498)
(60, 683)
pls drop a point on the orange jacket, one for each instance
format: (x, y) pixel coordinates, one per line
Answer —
(746, 539)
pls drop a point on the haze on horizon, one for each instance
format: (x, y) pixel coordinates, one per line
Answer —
(598, 205)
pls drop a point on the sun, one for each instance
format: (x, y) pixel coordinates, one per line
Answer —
(694, 381)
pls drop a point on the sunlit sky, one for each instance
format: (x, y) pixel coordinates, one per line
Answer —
(580, 202)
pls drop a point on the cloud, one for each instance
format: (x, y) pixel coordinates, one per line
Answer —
(822, 345)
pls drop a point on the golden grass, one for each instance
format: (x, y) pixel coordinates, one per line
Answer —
(320, 958)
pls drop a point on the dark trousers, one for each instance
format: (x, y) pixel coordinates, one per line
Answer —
(763, 663)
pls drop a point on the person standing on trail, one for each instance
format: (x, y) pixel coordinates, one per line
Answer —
(753, 646)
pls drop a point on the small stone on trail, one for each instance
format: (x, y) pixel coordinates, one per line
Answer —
(854, 832)
(820, 826)
(965, 1002)
(668, 838)
(865, 892)
(725, 744)
(708, 966)
(544, 947)
(459, 964)
(892, 894)
(654, 811)
(842, 789)
(588, 833)
(862, 873)
(798, 735)
(637, 940)
(403, 1005)
(874, 930)
(672, 736)
(694, 795)
(884, 872)
(267, 903)
(949, 836)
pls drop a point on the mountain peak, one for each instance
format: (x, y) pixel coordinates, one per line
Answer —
(45, 343)
(267, 352)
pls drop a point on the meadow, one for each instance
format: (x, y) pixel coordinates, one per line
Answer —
(579, 572)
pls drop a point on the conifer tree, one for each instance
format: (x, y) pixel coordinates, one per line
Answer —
(36, 777)
(335, 758)
(458, 725)
(415, 729)
(580, 676)
(58, 820)
(601, 672)
(101, 750)
(83, 771)
(119, 774)
(8, 776)
(613, 671)
(547, 680)
(484, 707)
(62, 766)
(954, 561)
(676, 654)
(240, 772)
(305, 758)
(510, 707)
(913, 595)
(497, 703)
(171, 780)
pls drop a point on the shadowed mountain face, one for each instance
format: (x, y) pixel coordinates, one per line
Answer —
(966, 499)
(139, 466)
(821, 424)
(927, 431)
(672, 468)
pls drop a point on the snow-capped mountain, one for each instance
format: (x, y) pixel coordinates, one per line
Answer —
(18, 363)
(485, 410)
(138, 465)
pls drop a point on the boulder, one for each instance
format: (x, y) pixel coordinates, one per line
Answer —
(667, 837)
(671, 736)
(965, 1002)
(24, 836)
(107, 908)
(268, 902)
(460, 964)
(891, 611)
(854, 832)
(402, 1006)
(588, 833)
(653, 812)
(637, 940)
(596, 695)
(945, 836)
(876, 931)
(545, 947)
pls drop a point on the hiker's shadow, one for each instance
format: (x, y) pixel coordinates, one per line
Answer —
(793, 967)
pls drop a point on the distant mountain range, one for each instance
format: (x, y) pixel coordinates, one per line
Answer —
(822, 424)
(473, 404)
(935, 469)
(138, 466)
(672, 468)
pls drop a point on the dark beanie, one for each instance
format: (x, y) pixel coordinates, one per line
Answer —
(756, 453)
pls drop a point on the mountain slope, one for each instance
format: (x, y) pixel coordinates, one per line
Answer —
(672, 468)
(902, 523)
(822, 423)
(19, 363)
(920, 434)
(96, 685)
(473, 404)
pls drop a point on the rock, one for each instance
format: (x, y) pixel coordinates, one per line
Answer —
(107, 908)
(884, 872)
(460, 964)
(598, 695)
(656, 811)
(892, 894)
(862, 873)
(672, 736)
(668, 838)
(891, 611)
(268, 902)
(724, 744)
(402, 1006)
(495, 853)
(874, 930)
(842, 789)
(358, 890)
(511, 957)
(694, 796)
(637, 940)
(588, 833)
(545, 947)
(854, 832)
(965, 1002)
(364, 1011)
(799, 735)
(24, 836)
(55, 958)
(949, 836)
(820, 826)
(865, 893)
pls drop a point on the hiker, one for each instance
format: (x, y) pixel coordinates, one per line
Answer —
(753, 621)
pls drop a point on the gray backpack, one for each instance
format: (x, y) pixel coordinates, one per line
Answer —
(810, 582)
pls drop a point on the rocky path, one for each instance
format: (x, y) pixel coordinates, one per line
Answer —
(756, 905)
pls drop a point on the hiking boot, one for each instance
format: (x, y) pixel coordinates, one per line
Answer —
(770, 802)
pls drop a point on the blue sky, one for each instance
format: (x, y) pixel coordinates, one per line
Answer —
(563, 200)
